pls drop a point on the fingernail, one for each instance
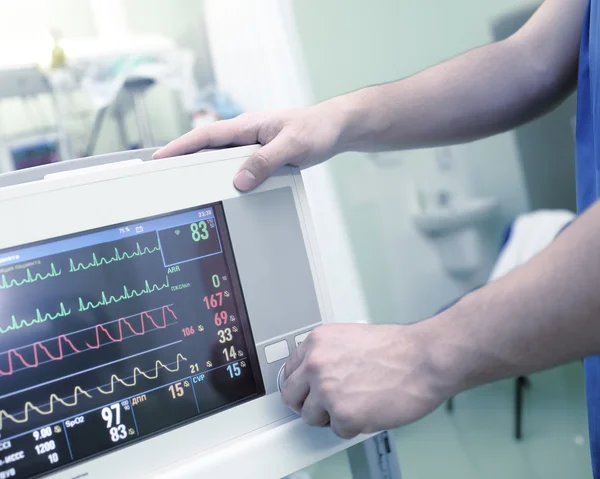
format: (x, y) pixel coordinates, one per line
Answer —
(244, 180)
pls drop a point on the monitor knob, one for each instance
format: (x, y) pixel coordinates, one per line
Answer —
(281, 378)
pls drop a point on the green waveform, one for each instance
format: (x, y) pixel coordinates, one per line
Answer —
(95, 263)
(83, 306)
(29, 278)
(39, 318)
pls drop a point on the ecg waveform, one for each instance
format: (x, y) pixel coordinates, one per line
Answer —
(29, 278)
(64, 340)
(39, 318)
(95, 263)
(84, 306)
(79, 391)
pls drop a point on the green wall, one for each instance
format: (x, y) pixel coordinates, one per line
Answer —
(352, 43)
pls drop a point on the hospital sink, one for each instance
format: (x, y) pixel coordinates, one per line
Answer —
(453, 230)
(443, 220)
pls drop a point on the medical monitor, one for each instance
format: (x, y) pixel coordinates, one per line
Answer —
(146, 309)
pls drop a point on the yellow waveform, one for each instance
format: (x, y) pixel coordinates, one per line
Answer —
(137, 371)
(31, 407)
(78, 390)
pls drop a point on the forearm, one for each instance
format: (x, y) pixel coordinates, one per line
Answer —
(543, 314)
(482, 92)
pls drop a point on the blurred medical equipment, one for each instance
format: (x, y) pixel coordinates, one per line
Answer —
(101, 73)
(213, 105)
(528, 235)
(29, 153)
(45, 119)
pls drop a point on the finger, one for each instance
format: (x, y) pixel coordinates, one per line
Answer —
(266, 161)
(313, 413)
(343, 429)
(295, 360)
(295, 390)
(236, 131)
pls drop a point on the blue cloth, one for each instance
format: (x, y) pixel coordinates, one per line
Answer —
(588, 161)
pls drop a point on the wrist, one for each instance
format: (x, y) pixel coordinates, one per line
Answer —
(443, 361)
(348, 115)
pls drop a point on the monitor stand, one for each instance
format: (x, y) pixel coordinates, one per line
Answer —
(374, 458)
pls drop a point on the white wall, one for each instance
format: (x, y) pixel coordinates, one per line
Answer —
(352, 43)
(24, 18)
(183, 21)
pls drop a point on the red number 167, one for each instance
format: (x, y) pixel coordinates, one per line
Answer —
(213, 301)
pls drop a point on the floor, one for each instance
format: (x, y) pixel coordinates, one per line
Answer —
(476, 441)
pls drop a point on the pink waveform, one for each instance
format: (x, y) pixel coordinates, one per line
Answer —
(63, 339)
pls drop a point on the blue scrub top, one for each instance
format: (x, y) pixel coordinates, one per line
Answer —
(588, 189)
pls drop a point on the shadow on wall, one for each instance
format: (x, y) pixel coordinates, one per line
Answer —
(546, 145)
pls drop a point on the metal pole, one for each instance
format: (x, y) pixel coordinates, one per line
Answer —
(375, 458)
(141, 116)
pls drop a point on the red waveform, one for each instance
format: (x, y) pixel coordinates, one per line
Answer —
(64, 339)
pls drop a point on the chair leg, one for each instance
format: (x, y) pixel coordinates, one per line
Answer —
(450, 405)
(520, 384)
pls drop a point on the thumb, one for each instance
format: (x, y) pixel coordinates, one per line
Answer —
(264, 163)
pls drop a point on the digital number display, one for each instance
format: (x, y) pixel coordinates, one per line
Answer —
(116, 334)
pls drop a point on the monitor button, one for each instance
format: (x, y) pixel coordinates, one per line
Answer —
(277, 352)
(300, 338)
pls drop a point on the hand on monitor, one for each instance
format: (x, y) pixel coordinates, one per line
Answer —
(302, 137)
(361, 379)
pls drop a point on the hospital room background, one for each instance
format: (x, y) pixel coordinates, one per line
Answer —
(408, 232)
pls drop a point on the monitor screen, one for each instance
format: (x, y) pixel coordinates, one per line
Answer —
(110, 336)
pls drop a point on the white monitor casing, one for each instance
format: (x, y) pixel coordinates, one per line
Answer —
(258, 439)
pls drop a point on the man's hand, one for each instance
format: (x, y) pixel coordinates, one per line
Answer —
(361, 378)
(302, 137)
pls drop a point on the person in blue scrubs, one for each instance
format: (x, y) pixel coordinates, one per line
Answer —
(366, 378)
